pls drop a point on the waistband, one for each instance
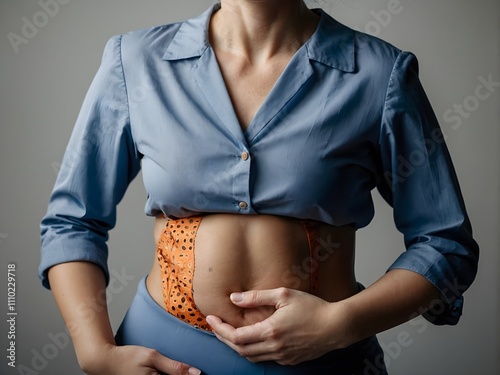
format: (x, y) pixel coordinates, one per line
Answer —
(147, 324)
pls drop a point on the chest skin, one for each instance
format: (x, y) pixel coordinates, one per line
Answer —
(247, 84)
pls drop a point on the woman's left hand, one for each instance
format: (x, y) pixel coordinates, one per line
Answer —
(302, 328)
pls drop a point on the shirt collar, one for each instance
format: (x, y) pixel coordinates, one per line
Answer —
(331, 44)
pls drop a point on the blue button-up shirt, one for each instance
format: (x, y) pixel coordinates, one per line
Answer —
(347, 115)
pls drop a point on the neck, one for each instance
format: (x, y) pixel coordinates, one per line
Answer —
(259, 30)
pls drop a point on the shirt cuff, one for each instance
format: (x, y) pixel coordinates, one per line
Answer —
(52, 256)
(434, 266)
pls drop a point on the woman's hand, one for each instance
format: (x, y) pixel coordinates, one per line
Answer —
(133, 360)
(302, 328)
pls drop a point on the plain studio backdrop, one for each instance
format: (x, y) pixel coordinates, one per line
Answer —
(49, 53)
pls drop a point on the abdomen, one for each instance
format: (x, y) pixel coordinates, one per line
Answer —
(235, 253)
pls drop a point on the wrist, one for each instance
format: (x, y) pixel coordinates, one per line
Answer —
(342, 325)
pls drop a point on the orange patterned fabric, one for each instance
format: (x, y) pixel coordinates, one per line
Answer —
(175, 252)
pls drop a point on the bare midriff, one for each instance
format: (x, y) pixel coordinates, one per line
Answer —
(235, 253)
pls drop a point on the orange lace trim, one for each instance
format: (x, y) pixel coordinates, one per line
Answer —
(175, 252)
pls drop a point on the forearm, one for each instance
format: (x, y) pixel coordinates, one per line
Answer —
(395, 298)
(79, 289)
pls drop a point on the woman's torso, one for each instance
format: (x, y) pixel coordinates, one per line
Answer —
(236, 253)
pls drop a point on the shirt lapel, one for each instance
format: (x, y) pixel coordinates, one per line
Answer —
(332, 45)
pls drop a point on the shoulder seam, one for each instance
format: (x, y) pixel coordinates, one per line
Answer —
(120, 55)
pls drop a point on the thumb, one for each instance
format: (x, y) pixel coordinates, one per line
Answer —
(171, 367)
(255, 298)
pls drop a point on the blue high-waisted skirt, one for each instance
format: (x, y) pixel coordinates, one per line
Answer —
(148, 324)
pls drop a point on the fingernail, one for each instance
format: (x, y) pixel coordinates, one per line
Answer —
(194, 371)
(236, 297)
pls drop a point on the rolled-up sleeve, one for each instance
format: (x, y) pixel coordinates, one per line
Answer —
(418, 179)
(99, 163)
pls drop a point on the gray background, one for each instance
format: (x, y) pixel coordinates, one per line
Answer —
(42, 87)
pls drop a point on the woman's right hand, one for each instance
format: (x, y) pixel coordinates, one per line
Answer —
(133, 360)
(93, 336)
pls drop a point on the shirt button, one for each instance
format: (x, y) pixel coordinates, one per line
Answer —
(243, 205)
(245, 156)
